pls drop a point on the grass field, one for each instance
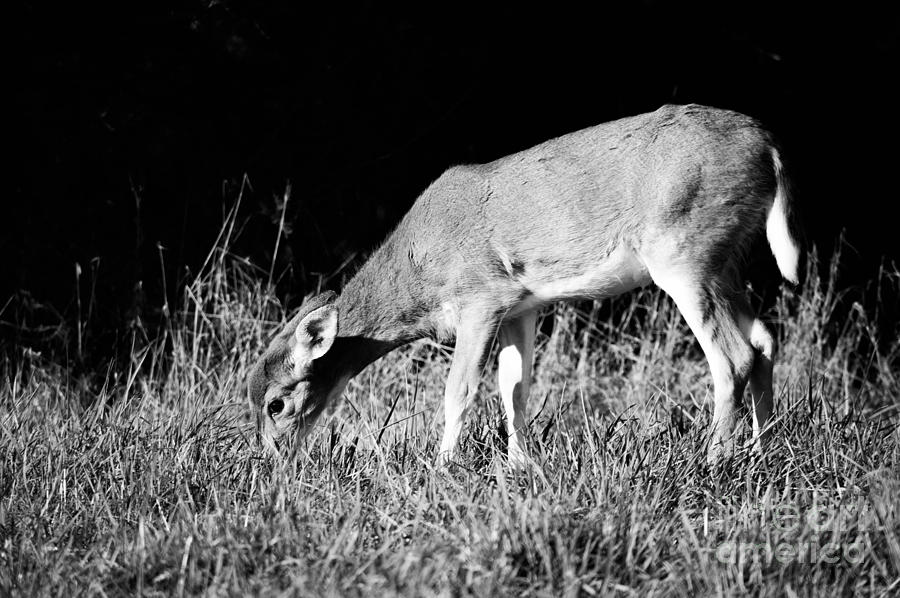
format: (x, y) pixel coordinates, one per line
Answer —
(150, 483)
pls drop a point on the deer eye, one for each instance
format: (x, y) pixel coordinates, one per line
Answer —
(275, 407)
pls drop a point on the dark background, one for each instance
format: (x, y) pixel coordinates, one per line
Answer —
(133, 125)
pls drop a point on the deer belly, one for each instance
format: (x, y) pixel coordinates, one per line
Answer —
(619, 272)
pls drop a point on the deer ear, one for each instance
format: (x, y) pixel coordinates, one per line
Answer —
(314, 334)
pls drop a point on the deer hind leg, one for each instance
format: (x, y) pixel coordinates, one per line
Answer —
(761, 381)
(514, 379)
(761, 392)
(712, 311)
(473, 337)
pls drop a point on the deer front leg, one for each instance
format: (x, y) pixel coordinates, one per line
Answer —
(473, 336)
(514, 379)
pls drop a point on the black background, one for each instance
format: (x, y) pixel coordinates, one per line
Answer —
(361, 106)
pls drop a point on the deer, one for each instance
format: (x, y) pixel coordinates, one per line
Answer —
(674, 197)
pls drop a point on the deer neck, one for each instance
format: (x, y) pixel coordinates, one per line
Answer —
(378, 310)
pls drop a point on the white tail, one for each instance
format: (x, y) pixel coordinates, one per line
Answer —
(784, 247)
(674, 197)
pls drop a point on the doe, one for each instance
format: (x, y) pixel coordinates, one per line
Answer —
(673, 197)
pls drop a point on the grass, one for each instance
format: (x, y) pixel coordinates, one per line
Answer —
(150, 482)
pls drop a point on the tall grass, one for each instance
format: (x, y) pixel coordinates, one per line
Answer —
(152, 484)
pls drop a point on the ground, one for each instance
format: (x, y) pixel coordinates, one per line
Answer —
(150, 482)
